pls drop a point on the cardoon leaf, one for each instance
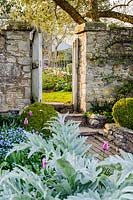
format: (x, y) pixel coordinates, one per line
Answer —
(66, 167)
(90, 195)
(127, 196)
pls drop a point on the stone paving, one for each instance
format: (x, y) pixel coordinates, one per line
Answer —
(95, 138)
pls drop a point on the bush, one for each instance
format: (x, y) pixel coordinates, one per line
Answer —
(41, 113)
(123, 112)
(56, 79)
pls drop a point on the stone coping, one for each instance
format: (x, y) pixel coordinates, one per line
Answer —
(90, 26)
(10, 25)
(97, 26)
(110, 127)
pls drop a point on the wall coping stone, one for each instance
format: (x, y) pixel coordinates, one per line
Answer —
(117, 127)
(10, 25)
(99, 26)
(90, 26)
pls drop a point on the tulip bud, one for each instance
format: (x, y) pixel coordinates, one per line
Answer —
(30, 113)
(43, 163)
(105, 146)
(25, 121)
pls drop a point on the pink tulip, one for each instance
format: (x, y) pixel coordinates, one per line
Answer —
(30, 113)
(105, 146)
(44, 163)
(25, 121)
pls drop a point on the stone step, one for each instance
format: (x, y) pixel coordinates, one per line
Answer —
(61, 107)
(77, 118)
(96, 121)
(86, 131)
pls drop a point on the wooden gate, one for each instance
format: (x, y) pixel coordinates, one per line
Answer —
(75, 74)
(37, 66)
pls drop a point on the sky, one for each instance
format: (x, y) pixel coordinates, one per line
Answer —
(129, 9)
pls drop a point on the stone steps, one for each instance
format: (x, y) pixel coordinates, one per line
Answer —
(77, 118)
(61, 107)
(86, 131)
(94, 136)
(95, 121)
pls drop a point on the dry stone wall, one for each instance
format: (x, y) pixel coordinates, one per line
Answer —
(15, 68)
(121, 137)
(105, 62)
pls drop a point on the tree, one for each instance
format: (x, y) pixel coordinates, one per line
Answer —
(47, 13)
(54, 40)
(95, 13)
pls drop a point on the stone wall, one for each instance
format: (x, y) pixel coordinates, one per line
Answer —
(105, 62)
(121, 137)
(15, 67)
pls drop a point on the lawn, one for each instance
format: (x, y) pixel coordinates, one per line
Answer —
(60, 96)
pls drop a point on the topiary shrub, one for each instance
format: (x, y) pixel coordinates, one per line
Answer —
(123, 112)
(35, 117)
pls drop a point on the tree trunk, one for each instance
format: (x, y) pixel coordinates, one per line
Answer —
(70, 10)
(49, 55)
(55, 56)
(93, 5)
(93, 12)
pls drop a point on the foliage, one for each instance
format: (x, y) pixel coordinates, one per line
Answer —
(56, 79)
(10, 136)
(60, 96)
(125, 90)
(8, 120)
(41, 113)
(103, 108)
(64, 133)
(55, 14)
(70, 173)
(123, 112)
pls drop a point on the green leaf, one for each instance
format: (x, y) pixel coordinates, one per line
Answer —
(66, 168)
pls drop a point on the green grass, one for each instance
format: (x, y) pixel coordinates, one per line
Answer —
(60, 96)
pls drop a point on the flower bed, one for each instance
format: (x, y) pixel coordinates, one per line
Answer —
(56, 79)
(10, 136)
(61, 168)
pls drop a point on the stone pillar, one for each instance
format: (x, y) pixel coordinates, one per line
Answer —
(105, 60)
(15, 66)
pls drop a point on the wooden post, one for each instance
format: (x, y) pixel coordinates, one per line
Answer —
(37, 67)
(75, 75)
(40, 67)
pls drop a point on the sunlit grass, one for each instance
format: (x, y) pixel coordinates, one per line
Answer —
(60, 96)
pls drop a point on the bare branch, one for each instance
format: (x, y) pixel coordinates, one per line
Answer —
(113, 14)
(116, 15)
(55, 10)
(121, 5)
